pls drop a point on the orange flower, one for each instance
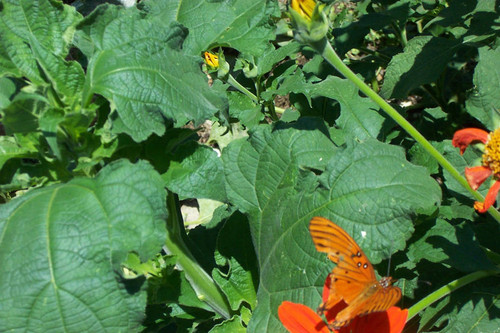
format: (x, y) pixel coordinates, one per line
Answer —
(491, 162)
(298, 318)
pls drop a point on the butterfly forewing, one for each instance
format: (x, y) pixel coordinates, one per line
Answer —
(352, 263)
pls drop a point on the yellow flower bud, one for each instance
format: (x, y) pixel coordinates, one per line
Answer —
(212, 60)
(309, 21)
(304, 7)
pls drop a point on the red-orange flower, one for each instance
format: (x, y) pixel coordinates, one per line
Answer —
(298, 318)
(490, 165)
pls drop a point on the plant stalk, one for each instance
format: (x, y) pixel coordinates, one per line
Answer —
(446, 290)
(326, 50)
(203, 284)
(235, 84)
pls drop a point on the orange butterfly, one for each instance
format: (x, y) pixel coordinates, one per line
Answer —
(353, 279)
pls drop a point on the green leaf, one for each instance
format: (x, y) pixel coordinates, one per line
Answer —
(28, 27)
(7, 89)
(475, 308)
(145, 80)
(243, 25)
(369, 189)
(423, 60)
(420, 156)
(352, 35)
(49, 123)
(359, 116)
(239, 280)
(453, 246)
(267, 155)
(9, 148)
(21, 115)
(62, 246)
(484, 102)
(172, 287)
(272, 56)
(195, 171)
(232, 325)
(67, 77)
(244, 109)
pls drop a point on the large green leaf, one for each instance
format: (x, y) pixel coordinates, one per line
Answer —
(146, 81)
(423, 60)
(238, 274)
(195, 171)
(359, 115)
(241, 24)
(369, 189)
(36, 36)
(484, 102)
(454, 246)
(61, 248)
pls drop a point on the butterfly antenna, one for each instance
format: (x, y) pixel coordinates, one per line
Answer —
(390, 257)
(389, 266)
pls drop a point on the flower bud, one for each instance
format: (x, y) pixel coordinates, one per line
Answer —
(216, 63)
(309, 21)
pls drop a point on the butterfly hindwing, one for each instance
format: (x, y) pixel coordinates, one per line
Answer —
(381, 300)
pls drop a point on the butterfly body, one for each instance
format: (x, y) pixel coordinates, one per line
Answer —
(353, 279)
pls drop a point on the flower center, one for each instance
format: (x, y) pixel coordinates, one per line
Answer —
(491, 156)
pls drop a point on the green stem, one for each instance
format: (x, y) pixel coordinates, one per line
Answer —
(238, 86)
(326, 50)
(272, 111)
(446, 290)
(401, 34)
(493, 256)
(202, 283)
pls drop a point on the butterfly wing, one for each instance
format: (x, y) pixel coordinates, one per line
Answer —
(353, 279)
(354, 272)
(382, 299)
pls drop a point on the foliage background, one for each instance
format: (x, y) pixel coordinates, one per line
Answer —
(101, 106)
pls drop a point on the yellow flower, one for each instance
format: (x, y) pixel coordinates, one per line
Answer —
(212, 60)
(304, 7)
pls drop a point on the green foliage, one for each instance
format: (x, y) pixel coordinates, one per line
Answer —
(63, 260)
(110, 127)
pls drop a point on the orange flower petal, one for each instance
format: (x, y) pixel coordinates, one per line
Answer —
(477, 175)
(466, 136)
(397, 319)
(391, 321)
(298, 318)
(490, 199)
